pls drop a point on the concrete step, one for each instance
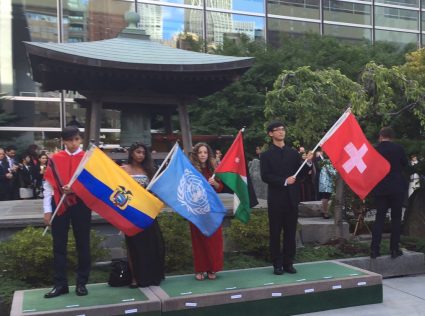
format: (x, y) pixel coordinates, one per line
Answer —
(410, 263)
(320, 230)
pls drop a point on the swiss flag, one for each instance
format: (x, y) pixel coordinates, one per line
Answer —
(356, 160)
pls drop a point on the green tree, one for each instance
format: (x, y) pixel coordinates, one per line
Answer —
(242, 103)
(309, 102)
(393, 100)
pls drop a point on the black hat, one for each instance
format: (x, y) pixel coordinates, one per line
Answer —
(273, 125)
(70, 132)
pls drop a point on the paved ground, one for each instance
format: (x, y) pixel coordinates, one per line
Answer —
(402, 296)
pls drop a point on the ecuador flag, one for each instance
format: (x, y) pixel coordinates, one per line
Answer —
(109, 191)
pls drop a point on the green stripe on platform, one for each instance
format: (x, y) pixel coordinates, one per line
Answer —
(253, 278)
(292, 305)
(99, 294)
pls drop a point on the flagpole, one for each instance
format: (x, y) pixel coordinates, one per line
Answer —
(155, 176)
(77, 172)
(54, 214)
(326, 136)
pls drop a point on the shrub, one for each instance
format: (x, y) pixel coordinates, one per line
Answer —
(251, 238)
(178, 246)
(27, 256)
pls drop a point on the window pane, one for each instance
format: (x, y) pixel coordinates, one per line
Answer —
(256, 6)
(220, 25)
(400, 38)
(348, 34)
(279, 27)
(347, 12)
(396, 18)
(23, 21)
(31, 113)
(296, 8)
(406, 3)
(198, 3)
(46, 141)
(94, 20)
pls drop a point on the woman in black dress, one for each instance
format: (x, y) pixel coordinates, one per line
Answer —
(146, 249)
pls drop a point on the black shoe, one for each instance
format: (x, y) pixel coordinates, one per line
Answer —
(278, 271)
(396, 253)
(81, 290)
(56, 291)
(290, 269)
(374, 254)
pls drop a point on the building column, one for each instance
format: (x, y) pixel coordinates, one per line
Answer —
(87, 127)
(185, 128)
(168, 124)
(94, 122)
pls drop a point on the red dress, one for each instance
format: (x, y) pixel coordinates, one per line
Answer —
(207, 251)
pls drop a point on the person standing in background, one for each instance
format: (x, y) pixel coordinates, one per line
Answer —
(389, 193)
(5, 176)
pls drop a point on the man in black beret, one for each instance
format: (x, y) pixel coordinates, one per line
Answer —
(278, 167)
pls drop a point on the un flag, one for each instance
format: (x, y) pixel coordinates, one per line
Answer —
(186, 191)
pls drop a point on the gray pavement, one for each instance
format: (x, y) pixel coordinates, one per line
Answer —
(402, 296)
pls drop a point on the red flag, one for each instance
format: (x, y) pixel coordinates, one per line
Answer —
(232, 170)
(356, 160)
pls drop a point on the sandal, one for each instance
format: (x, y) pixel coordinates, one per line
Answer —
(200, 276)
(211, 275)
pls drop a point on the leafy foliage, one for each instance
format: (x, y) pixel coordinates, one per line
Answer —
(242, 103)
(309, 102)
(28, 256)
(178, 247)
(251, 238)
(393, 100)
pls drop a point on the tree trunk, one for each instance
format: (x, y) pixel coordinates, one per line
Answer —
(339, 202)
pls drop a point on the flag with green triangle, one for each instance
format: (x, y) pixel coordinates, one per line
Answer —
(233, 172)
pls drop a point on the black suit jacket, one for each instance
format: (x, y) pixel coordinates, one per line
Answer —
(277, 164)
(4, 182)
(394, 182)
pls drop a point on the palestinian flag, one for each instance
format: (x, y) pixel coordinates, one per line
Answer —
(233, 171)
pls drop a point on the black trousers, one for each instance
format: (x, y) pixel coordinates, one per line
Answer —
(383, 203)
(282, 217)
(79, 216)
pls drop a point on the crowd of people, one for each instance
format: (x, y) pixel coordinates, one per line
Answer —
(21, 177)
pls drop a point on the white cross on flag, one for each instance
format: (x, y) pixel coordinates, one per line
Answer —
(358, 163)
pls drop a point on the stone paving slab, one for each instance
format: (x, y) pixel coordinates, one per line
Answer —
(402, 297)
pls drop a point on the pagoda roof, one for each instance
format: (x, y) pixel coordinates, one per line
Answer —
(131, 63)
(135, 54)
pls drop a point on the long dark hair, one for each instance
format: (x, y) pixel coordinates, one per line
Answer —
(210, 163)
(147, 163)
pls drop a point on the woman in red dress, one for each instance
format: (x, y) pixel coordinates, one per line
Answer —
(207, 251)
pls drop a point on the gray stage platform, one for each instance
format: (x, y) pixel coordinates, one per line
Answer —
(317, 286)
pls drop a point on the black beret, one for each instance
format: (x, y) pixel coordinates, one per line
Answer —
(274, 125)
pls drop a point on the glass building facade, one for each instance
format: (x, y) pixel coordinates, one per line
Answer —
(29, 115)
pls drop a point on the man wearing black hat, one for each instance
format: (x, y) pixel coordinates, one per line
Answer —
(278, 167)
(59, 172)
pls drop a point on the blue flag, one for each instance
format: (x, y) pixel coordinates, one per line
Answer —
(188, 193)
